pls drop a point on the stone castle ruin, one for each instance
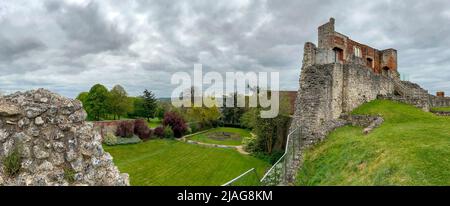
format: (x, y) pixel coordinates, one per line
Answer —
(336, 77)
(44, 140)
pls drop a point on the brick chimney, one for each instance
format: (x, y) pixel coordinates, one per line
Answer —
(440, 94)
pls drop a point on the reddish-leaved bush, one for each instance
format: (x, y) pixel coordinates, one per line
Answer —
(159, 132)
(125, 129)
(176, 122)
(141, 129)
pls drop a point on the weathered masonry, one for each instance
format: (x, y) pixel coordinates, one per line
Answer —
(343, 49)
(48, 143)
(337, 76)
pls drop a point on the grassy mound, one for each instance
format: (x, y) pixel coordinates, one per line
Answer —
(412, 147)
(173, 163)
(223, 136)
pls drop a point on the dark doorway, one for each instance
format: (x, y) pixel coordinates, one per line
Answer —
(385, 71)
(338, 55)
(370, 62)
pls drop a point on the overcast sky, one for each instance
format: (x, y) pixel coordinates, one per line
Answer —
(67, 46)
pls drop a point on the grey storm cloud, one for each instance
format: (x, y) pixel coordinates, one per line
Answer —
(69, 45)
(87, 29)
(15, 48)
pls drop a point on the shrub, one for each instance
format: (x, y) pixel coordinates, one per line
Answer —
(141, 129)
(215, 123)
(168, 132)
(176, 122)
(194, 127)
(12, 162)
(269, 158)
(205, 125)
(159, 132)
(130, 140)
(249, 143)
(125, 129)
(110, 139)
(189, 130)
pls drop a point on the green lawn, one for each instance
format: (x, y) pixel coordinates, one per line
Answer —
(223, 136)
(441, 109)
(174, 163)
(412, 147)
(154, 123)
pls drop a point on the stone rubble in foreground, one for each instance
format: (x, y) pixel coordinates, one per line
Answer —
(57, 146)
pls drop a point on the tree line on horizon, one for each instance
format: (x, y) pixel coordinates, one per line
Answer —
(103, 104)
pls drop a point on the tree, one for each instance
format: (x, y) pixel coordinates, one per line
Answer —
(206, 116)
(149, 105)
(96, 101)
(248, 119)
(118, 102)
(83, 97)
(232, 115)
(138, 107)
(160, 110)
(269, 130)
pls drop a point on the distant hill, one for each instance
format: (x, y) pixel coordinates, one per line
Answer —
(164, 99)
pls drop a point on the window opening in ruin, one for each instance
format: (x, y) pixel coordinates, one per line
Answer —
(357, 51)
(370, 62)
(338, 54)
(385, 71)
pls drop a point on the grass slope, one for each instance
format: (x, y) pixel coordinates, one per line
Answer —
(203, 137)
(412, 147)
(173, 163)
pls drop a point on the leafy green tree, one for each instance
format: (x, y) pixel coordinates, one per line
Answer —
(96, 101)
(138, 107)
(268, 131)
(248, 119)
(83, 97)
(232, 115)
(118, 102)
(160, 110)
(149, 105)
(206, 116)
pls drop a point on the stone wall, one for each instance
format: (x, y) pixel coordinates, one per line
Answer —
(326, 92)
(362, 85)
(329, 90)
(436, 101)
(415, 101)
(109, 127)
(55, 144)
(334, 81)
(366, 121)
(415, 95)
(441, 113)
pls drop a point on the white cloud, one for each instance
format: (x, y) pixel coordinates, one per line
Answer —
(68, 46)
